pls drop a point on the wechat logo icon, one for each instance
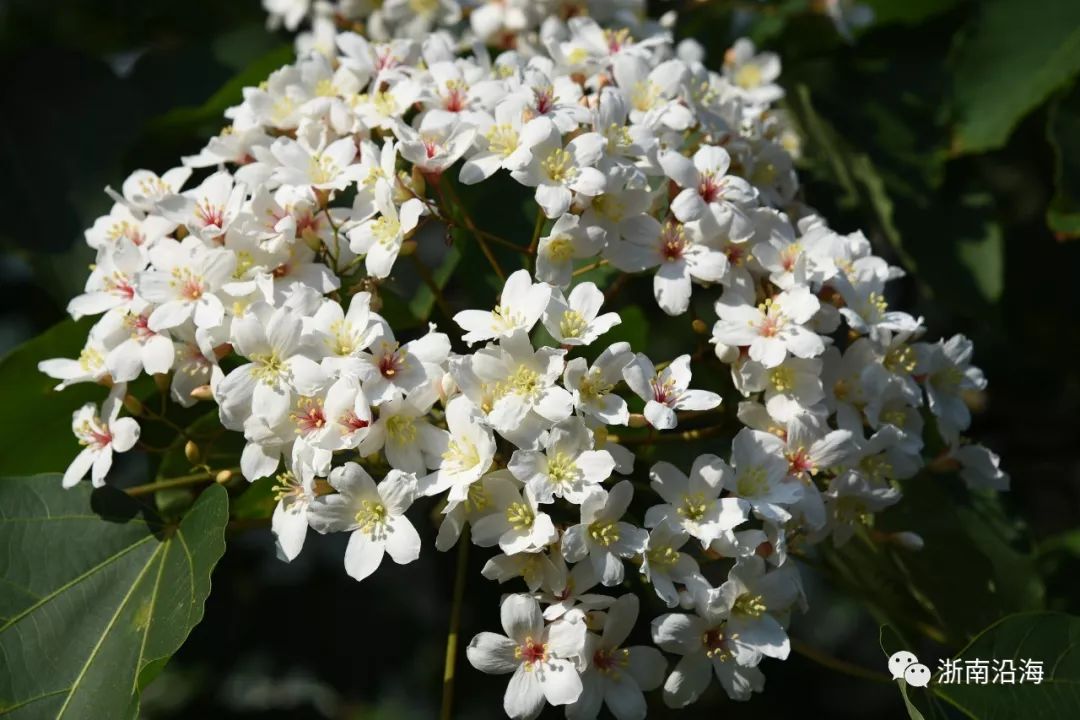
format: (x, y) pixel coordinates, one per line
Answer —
(904, 665)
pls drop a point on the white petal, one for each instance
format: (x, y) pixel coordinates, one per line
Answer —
(521, 618)
(403, 544)
(560, 682)
(363, 555)
(492, 653)
(290, 529)
(524, 698)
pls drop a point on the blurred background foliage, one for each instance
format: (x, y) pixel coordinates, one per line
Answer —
(949, 130)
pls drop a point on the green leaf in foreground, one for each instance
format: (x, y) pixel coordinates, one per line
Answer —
(40, 407)
(991, 573)
(1051, 638)
(96, 594)
(1063, 132)
(1016, 56)
(915, 700)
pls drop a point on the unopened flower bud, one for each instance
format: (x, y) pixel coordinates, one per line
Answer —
(908, 540)
(727, 354)
(192, 452)
(203, 392)
(637, 420)
(223, 477)
(418, 184)
(132, 404)
(943, 464)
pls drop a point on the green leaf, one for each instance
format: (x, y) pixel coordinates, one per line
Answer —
(984, 256)
(633, 329)
(40, 407)
(423, 302)
(1050, 638)
(907, 12)
(216, 447)
(918, 702)
(98, 594)
(1067, 542)
(207, 119)
(854, 172)
(990, 574)
(256, 502)
(1063, 132)
(913, 712)
(1016, 55)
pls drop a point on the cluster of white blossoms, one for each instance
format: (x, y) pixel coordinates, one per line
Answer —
(258, 286)
(505, 24)
(502, 24)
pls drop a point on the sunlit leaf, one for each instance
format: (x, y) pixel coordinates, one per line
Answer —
(1015, 56)
(97, 594)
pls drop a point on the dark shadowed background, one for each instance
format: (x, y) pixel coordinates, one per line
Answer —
(908, 133)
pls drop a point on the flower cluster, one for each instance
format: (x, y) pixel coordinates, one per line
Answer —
(503, 24)
(519, 25)
(259, 286)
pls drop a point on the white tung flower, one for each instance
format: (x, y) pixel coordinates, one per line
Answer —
(470, 451)
(541, 657)
(708, 191)
(666, 391)
(557, 172)
(521, 303)
(576, 319)
(568, 240)
(567, 468)
(380, 239)
(182, 281)
(772, 329)
(602, 537)
(693, 504)
(278, 367)
(517, 525)
(373, 514)
(100, 436)
(593, 387)
(617, 676)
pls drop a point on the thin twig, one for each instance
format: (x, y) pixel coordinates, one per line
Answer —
(538, 227)
(450, 663)
(470, 225)
(590, 266)
(684, 436)
(616, 287)
(504, 242)
(425, 275)
(182, 481)
(840, 666)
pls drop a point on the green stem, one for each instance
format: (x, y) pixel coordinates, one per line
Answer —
(450, 663)
(469, 224)
(840, 666)
(590, 266)
(538, 228)
(182, 481)
(684, 436)
(616, 287)
(425, 275)
(504, 242)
